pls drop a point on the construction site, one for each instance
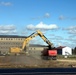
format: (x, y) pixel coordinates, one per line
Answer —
(16, 52)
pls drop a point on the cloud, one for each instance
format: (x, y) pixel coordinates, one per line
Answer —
(57, 43)
(72, 45)
(71, 30)
(72, 36)
(58, 40)
(38, 40)
(36, 18)
(71, 39)
(55, 38)
(74, 18)
(46, 15)
(63, 43)
(42, 26)
(8, 29)
(6, 3)
(61, 17)
(8, 32)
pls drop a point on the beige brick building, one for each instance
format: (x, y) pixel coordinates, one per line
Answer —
(8, 41)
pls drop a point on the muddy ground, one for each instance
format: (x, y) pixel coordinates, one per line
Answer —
(23, 61)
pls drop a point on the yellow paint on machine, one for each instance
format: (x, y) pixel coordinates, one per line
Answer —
(15, 50)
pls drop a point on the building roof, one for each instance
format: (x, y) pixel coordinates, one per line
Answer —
(12, 36)
(60, 47)
(37, 45)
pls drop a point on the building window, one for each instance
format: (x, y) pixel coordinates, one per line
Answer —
(6, 39)
(1, 38)
(18, 38)
(15, 38)
(11, 38)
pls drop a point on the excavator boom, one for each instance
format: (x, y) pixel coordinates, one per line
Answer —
(38, 32)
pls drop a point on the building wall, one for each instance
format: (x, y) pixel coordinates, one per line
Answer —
(59, 51)
(67, 51)
(6, 43)
(36, 51)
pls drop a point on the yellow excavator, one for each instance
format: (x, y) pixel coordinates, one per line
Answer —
(26, 41)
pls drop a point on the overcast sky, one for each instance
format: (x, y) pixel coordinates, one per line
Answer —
(55, 18)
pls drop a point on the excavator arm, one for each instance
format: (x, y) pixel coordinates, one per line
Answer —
(34, 35)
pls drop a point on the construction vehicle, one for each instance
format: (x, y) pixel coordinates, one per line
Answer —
(26, 41)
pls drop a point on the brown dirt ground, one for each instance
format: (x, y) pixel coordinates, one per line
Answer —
(31, 62)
